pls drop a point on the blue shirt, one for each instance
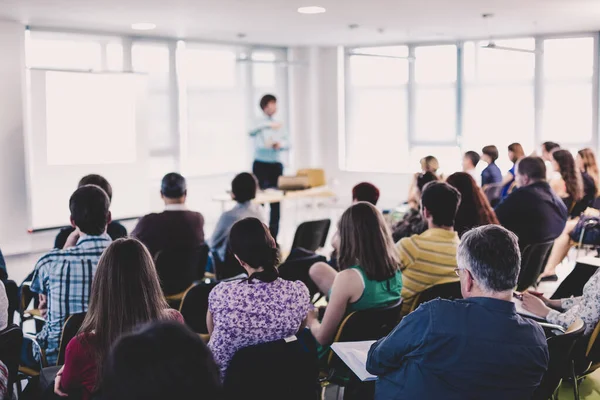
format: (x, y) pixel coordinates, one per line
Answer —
(264, 138)
(507, 187)
(65, 276)
(490, 175)
(478, 348)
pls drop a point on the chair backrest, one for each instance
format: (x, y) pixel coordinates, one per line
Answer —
(296, 268)
(312, 234)
(69, 331)
(178, 268)
(228, 268)
(11, 340)
(560, 348)
(194, 306)
(533, 261)
(275, 370)
(372, 324)
(575, 281)
(493, 192)
(450, 291)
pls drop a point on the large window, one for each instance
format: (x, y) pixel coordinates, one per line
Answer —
(377, 109)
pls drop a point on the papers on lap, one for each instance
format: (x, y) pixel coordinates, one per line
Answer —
(354, 355)
(520, 310)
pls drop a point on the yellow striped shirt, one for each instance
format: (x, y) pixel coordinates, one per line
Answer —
(426, 260)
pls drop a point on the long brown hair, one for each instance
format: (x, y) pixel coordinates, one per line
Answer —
(474, 209)
(365, 240)
(570, 174)
(590, 166)
(517, 150)
(125, 293)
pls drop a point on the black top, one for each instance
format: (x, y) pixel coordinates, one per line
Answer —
(534, 213)
(115, 230)
(589, 194)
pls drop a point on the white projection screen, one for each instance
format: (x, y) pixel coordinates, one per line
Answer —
(82, 123)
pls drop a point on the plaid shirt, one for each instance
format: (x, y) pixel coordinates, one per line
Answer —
(65, 276)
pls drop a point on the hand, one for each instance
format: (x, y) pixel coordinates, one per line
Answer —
(57, 389)
(43, 306)
(275, 126)
(73, 238)
(535, 305)
(591, 212)
(539, 295)
(276, 145)
(312, 316)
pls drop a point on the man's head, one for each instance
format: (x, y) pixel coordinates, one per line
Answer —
(489, 262)
(470, 160)
(365, 191)
(97, 180)
(489, 154)
(268, 103)
(547, 149)
(89, 210)
(173, 188)
(439, 203)
(243, 187)
(530, 170)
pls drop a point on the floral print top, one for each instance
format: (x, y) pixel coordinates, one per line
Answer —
(246, 313)
(586, 307)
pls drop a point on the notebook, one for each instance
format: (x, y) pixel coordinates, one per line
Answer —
(354, 355)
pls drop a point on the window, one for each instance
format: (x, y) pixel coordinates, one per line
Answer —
(435, 94)
(216, 110)
(568, 90)
(377, 109)
(499, 97)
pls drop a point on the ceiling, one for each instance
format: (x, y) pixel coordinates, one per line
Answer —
(276, 22)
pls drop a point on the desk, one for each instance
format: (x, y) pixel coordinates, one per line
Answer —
(277, 196)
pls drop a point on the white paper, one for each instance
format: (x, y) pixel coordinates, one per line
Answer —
(354, 355)
(520, 310)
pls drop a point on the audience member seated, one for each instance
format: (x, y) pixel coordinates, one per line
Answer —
(63, 278)
(586, 162)
(476, 348)
(162, 361)
(564, 312)
(568, 184)
(469, 165)
(428, 164)
(259, 309)
(429, 259)
(547, 149)
(412, 222)
(474, 209)
(125, 294)
(176, 227)
(532, 211)
(365, 191)
(3, 270)
(491, 174)
(515, 153)
(243, 191)
(370, 274)
(5, 319)
(115, 230)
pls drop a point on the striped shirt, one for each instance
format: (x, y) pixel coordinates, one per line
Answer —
(426, 260)
(65, 277)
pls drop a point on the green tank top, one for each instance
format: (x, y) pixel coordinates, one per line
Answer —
(377, 293)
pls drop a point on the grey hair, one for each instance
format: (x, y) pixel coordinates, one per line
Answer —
(491, 253)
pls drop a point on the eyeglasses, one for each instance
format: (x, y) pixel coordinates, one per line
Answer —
(457, 271)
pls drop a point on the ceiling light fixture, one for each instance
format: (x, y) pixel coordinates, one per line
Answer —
(311, 10)
(143, 26)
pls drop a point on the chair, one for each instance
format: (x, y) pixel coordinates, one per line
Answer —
(450, 291)
(178, 268)
(533, 261)
(282, 369)
(69, 331)
(194, 306)
(493, 192)
(11, 340)
(573, 284)
(296, 268)
(26, 313)
(561, 363)
(311, 235)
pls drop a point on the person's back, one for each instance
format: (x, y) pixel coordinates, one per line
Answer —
(532, 211)
(63, 278)
(243, 191)
(429, 259)
(476, 348)
(491, 175)
(176, 227)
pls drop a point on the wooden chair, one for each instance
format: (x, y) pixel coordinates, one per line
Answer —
(26, 313)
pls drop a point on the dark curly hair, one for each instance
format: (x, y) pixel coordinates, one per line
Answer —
(570, 174)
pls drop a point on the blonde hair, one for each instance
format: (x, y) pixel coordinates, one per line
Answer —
(590, 165)
(429, 164)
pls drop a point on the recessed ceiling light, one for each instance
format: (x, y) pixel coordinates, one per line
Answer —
(143, 26)
(312, 10)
